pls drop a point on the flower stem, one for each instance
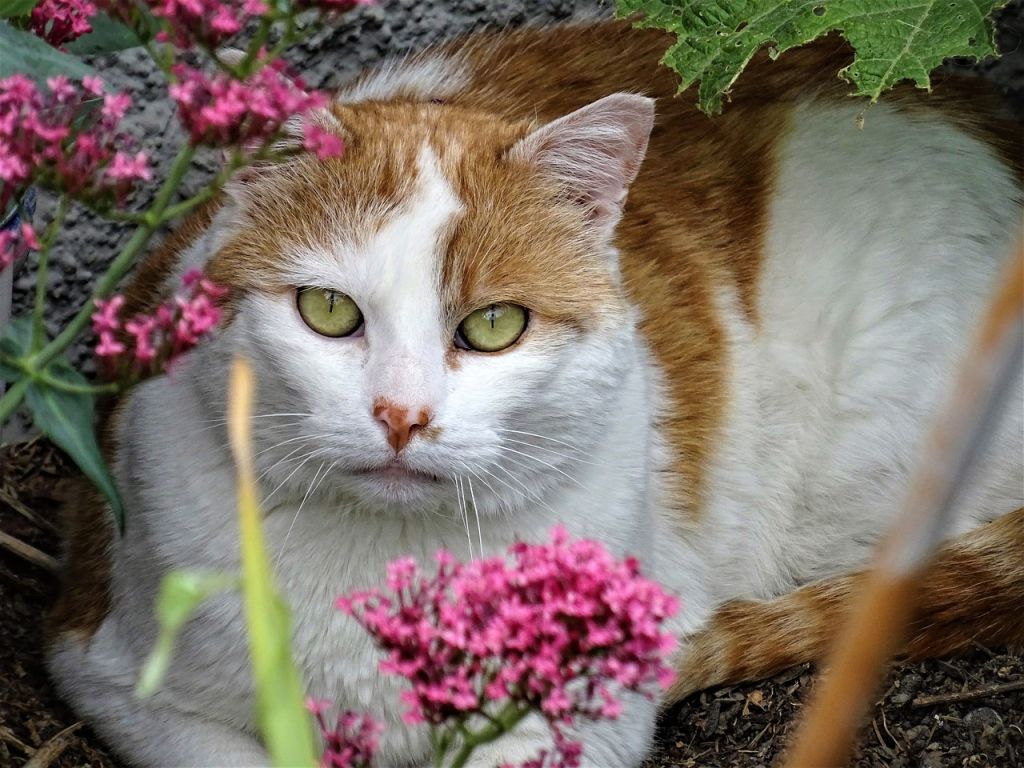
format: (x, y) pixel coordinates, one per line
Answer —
(149, 223)
(505, 721)
(43, 274)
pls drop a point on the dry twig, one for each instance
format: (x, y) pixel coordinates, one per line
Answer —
(53, 748)
(969, 695)
(27, 552)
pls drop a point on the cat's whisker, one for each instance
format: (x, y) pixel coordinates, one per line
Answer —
(547, 464)
(559, 454)
(489, 487)
(526, 492)
(313, 485)
(476, 513)
(539, 437)
(224, 420)
(277, 463)
(290, 440)
(463, 513)
(312, 454)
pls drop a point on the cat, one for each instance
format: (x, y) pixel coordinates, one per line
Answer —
(534, 275)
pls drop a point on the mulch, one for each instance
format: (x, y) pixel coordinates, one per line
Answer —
(967, 711)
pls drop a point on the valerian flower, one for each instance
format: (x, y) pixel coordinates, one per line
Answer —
(61, 21)
(147, 344)
(38, 145)
(350, 742)
(222, 111)
(559, 629)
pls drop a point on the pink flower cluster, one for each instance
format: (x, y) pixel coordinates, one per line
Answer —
(220, 110)
(552, 632)
(208, 22)
(146, 344)
(61, 21)
(15, 241)
(350, 742)
(39, 145)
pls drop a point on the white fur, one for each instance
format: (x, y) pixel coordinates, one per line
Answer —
(883, 244)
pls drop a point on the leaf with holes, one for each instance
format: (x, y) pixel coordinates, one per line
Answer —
(68, 418)
(894, 40)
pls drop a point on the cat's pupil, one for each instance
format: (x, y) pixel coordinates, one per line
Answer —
(492, 314)
(331, 298)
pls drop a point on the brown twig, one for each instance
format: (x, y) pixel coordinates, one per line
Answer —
(53, 748)
(27, 512)
(878, 623)
(28, 552)
(974, 693)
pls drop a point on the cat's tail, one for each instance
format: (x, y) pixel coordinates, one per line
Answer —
(973, 591)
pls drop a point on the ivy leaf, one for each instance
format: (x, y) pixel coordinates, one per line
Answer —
(11, 8)
(894, 40)
(68, 418)
(24, 53)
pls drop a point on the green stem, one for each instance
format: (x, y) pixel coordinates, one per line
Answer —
(81, 389)
(43, 275)
(506, 720)
(150, 222)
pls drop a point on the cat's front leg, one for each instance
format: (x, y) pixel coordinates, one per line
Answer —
(623, 742)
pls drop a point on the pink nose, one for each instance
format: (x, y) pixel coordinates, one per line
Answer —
(402, 423)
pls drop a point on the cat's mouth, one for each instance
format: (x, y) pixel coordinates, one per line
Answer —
(393, 472)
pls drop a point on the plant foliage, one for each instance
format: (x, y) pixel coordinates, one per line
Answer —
(894, 40)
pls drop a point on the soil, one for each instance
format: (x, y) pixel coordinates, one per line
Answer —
(918, 723)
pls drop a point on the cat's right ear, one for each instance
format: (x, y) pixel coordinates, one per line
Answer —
(594, 153)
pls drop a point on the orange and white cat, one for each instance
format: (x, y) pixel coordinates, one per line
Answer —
(536, 289)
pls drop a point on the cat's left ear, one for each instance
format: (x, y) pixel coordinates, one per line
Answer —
(594, 152)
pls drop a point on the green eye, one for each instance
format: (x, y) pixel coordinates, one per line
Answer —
(328, 312)
(492, 328)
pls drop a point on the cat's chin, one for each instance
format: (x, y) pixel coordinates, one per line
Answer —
(397, 484)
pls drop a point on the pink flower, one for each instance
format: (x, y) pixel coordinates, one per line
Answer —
(322, 143)
(125, 168)
(37, 144)
(554, 631)
(61, 21)
(222, 111)
(146, 345)
(16, 241)
(350, 742)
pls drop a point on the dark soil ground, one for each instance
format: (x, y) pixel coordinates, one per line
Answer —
(959, 712)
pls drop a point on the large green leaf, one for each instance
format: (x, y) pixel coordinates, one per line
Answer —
(22, 52)
(68, 418)
(107, 36)
(17, 336)
(894, 40)
(11, 8)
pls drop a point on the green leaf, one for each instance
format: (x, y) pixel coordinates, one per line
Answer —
(14, 344)
(24, 53)
(181, 593)
(284, 722)
(68, 419)
(107, 36)
(894, 40)
(12, 8)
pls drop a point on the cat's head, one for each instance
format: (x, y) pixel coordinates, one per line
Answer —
(439, 309)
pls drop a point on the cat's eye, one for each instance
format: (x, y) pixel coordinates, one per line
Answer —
(492, 328)
(329, 313)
